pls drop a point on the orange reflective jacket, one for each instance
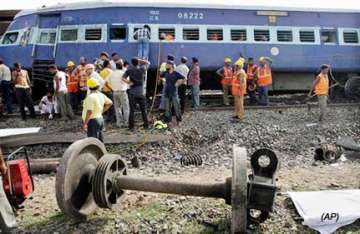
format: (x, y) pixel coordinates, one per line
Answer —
(238, 88)
(250, 71)
(264, 77)
(72, 83)
(227, 76)
(322, 87)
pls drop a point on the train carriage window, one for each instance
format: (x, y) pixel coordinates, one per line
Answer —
(10, 38)
(191, 34)
(117, 33)
(351, 37)
(169, 33)
(93, 34)
(328, 36)
(238, 35)
(69, 35)
(307, 36)
(47, 37)
(261, 35)
(284, 36)
(215, 34)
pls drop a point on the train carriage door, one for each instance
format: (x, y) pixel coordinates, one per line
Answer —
(44, 51)
(45, 45)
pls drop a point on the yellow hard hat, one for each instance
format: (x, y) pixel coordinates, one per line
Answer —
(227, 60)
(239, 63)
(92, 83)
(70, 64)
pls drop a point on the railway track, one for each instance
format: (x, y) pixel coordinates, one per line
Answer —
(274, 107)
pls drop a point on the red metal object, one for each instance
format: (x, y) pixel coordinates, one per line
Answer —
(20, 186)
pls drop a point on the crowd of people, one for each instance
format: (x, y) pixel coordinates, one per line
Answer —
(109, 85)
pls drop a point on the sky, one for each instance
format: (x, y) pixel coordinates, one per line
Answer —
(328, 4)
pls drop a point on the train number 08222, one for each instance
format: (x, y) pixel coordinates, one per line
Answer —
(191, 15)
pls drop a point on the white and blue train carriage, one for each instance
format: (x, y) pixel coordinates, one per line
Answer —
(297, 39)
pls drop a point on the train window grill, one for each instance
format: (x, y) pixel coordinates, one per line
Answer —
(47, 37)
(307, 36)
(69, 35)
(191, 34)
(93, 34)
(284, 36)
(215, 34)
(328, 37)
(261, 35)
(168, 32)
(238, 35)
(118, 33)
(351, 37)
(10, 38)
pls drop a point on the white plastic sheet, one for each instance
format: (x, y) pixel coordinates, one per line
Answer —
(326, 211)
(7, 132)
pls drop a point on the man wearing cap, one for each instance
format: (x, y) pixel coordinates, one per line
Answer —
(226, 74)
(61, 92)
(263, 78)
(136, 75)
(72, 85)
(321, 88)
(173, 80)
(183, 69)
(5, 85)
(95, 104)
(238, 89)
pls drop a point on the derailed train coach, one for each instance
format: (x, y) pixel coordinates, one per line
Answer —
(298, 40)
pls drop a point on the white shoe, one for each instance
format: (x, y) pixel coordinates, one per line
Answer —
(51, 116)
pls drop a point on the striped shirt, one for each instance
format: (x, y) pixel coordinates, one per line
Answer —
(142, 33)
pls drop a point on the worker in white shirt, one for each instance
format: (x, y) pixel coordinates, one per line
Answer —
(47, 105)
(183, 69)
(5, 85)
(120, 96)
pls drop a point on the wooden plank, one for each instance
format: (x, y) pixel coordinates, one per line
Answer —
(69, 138)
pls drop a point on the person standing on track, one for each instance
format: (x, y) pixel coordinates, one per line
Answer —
(238, 89)
(5, 86)
(120, 96)
(82, 77)
(95, 104)
(136, 75)
(263, 78)
(107, 89)
(61, 92)
(23, 90)
(251, 85)
(72, 84)
(184, 71)
(321, 88)
(194, 82)
(173, 80)
(226, 74)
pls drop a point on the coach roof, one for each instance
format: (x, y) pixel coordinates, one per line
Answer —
(178, 4)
